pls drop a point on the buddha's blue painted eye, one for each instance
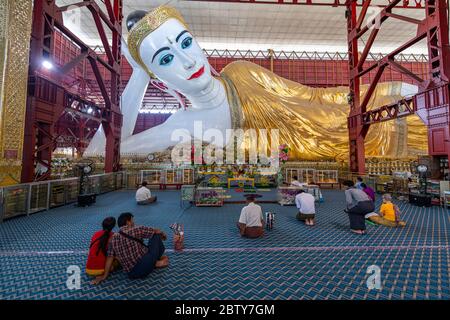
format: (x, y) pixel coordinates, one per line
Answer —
(166, 60)
(186, 43)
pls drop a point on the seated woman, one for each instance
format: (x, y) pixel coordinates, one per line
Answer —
(251, 221)
(144, 195)
(96, 261)
(358, 205)
(389, 214)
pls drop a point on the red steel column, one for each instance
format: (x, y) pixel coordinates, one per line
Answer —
(38, 140)
(114, 125)
(434, 104)
(46, 101)
(356, 129)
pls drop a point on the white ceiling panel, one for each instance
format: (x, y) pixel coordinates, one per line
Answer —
(260, 27)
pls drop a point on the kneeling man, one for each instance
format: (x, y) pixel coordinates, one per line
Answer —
(144, 195)
(251, 221)
(305, 203)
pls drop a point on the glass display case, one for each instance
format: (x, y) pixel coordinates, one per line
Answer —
(304, 175)
(172, 177)
(152, 176)
(71, 190)
(30, 198)
(434, 190)
(107, 183)
(93, 184)
(443, 168)
(286, 195)
(38, 197)
(188, 176)
(58, 194)
(380, 166)
(290, 173)
(15, 201)
(209, 197)
(326, 176)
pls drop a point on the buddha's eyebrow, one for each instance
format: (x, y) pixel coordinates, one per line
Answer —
(182, 32)
(156, 53)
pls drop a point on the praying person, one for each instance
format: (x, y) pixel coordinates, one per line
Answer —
(296, 183)
(390, 212)
(358, 205)
(358, 184)
(251, 221)
(98, 249)
(305, 203)
(377, 219)
(369, 191)
(137, 259)
(144, 195)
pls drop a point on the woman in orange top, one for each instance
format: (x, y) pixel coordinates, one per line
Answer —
(96, 261)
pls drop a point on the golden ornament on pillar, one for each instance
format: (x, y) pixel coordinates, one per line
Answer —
(15, 30)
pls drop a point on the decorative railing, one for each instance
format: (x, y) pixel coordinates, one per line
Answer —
(26, 199)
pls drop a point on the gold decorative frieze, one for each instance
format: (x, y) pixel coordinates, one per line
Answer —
(15, 30)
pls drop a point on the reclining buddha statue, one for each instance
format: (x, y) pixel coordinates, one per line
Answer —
(311, 121)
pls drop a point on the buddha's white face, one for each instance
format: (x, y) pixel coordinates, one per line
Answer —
(173, 55)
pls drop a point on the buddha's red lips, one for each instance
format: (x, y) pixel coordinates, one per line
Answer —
(198, 74)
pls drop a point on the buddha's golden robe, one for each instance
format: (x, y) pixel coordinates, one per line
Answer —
(313, 121)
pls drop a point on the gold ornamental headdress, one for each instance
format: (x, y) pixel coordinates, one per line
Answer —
(152, 21)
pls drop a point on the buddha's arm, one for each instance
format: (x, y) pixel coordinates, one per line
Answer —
(169, 133)
(131, 101)
(162, 136)
(133, 95)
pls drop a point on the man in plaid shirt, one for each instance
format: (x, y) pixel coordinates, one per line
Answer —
(137, 259)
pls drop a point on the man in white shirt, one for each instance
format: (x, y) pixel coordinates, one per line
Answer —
(306, 206)
(144, 195)
(251, 221)
(296, 183)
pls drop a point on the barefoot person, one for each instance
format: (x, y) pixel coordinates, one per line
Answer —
(137, 259)
(358, 205)
(144, 195)
(305, 203)
(390, 212)
(251, 221)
